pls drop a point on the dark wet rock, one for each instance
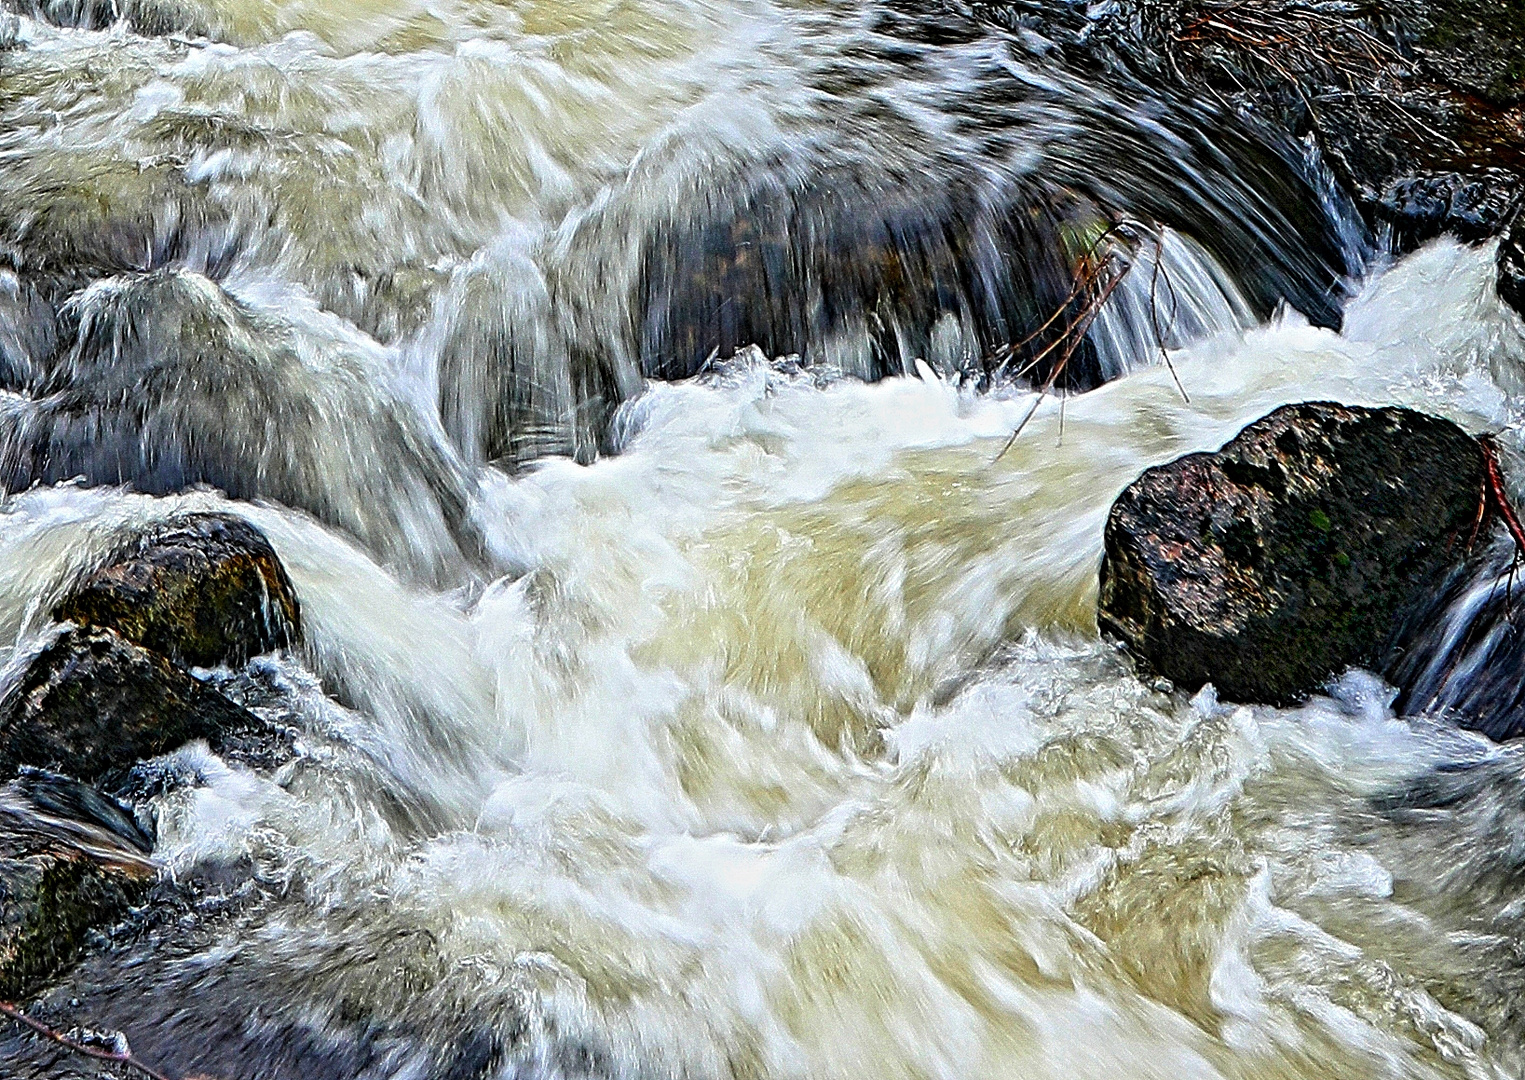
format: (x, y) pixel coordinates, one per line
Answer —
(1470, 207)
(798, 262)
(1387, 91)
(1464, 657)
(92, 703)
(49, 901)
(1511, 267)
(202, 589)
(1302, 547)
(71, 862)
(353, 1000)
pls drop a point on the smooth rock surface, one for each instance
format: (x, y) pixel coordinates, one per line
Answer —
(1296, 551)
(92, 703)
(202, 589)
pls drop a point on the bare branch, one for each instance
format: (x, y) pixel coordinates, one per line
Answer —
(123, 1059)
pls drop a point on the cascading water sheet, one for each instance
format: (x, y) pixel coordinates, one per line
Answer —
(752, 724)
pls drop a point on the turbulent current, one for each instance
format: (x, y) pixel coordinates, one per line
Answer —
(692, 685)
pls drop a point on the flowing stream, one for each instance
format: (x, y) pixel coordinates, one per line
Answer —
(692, 687)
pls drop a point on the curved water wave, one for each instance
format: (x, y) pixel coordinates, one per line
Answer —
(540, 205)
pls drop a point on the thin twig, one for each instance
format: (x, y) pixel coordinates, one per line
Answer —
(1287, 43)
(1086, 319)
(1154, 311)
(46, 1032)
(1074, 332)
(1499, 492)
(1084, 281)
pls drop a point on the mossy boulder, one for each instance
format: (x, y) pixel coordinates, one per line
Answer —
(92, 703)
(1301, 548)
(200, 589)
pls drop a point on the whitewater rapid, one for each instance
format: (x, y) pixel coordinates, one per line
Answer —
(752, 724)
(788, 750)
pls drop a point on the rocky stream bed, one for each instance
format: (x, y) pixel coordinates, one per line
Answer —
(1320, 538)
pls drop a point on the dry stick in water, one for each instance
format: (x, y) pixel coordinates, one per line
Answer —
(126, 1060)
(1080, 328)
(1499, 493)
(1083, 281)
(1494, 496)
(1293, 40)
(1074, 333)
(1138, 233)
(1154, 311)
(1496, 492)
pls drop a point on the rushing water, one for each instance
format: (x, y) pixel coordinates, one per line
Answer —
(777, 741)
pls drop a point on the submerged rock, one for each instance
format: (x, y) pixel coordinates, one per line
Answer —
(70, 861)
(1297, 550)
(92, 703)
(203, 589)
(164, 381)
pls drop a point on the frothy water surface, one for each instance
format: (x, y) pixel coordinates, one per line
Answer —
(789, 750)
(778, 741)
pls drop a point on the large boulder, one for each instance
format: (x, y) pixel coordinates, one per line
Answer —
(201, 589)
(1299, 549)
(92, 703)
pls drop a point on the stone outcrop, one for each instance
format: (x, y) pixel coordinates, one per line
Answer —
(1297, 550)
(200, 589)
(111, 688)
(92, 703)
